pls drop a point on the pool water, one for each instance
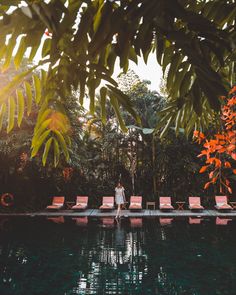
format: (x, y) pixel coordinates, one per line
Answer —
(136, 256)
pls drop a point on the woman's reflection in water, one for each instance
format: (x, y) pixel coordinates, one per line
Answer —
(119, 235)
(121, 260)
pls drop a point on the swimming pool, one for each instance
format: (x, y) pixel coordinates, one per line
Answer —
(99, 256)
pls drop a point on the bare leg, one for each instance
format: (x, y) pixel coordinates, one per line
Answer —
(120, 208)
(118, 211)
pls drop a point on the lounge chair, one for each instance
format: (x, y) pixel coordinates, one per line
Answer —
(136, 222)
(222, 221)
(135, 203)
(195, 204)
(195, 220)
(81, 221)
(108, 222)
(58, 219)
(57, 203)
(165, 221)
(81, 203)
(107, 203)
(222, 203)
(165, 204)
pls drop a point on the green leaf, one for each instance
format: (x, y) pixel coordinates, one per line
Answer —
(28, 97)
(37, 87)
(179, 76)
(165, 129)
(159, 48)
(178, 121)
(43, 77)
(176, 60)
(46, 47)
(191, 123)
(20, 53)
(168, 53)
(115, 106)
(103, 93)
(111, 60)
(91, 86)
(11, 113)
(11, 87)
(212, 91)
(62, 144)
(125, 101)
(33, 52)
(44, 113)
(82, 81)
(181, 130)
(39, 142)
(2, 113)
(97, 18)
(132, 55)
(38, 131)
(107, 78)
(104, 31)
(196, 98)
(148, 130)
(20, 106)
(186, 83)
(56, 152)
(124, 54)
(9, 52)
(3, 51)
(46, 150)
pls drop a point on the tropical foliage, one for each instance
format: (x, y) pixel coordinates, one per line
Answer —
(220, 151)
(102, 154)
(80, 41)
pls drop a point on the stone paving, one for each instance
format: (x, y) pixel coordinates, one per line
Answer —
(125, 213)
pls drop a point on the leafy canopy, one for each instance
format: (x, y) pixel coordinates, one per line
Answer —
(194, 42)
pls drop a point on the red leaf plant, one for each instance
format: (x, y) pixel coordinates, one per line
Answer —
(67, 173)
(220, 151)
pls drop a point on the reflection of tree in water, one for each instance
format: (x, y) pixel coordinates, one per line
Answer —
(61, 259)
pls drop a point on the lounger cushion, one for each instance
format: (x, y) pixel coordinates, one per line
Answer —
(223, 206)
(166, 206)
(79, 206)
(54, 206)
(106, 206)
(135, 206)
(195, 206)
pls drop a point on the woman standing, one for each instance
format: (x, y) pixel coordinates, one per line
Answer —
(120, 197)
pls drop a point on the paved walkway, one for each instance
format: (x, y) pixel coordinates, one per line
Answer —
(126, 213)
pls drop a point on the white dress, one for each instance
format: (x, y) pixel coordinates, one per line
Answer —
(119, 194)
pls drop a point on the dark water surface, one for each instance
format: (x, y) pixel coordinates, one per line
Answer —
(98, 256)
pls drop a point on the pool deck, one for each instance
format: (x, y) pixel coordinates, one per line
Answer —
(125, 213)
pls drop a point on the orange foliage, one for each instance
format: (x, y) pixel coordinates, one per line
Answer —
(59, 122)
(203, 169)
(67, 173)
(220, 151)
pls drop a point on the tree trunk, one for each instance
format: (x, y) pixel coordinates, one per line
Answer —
(154, 165)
